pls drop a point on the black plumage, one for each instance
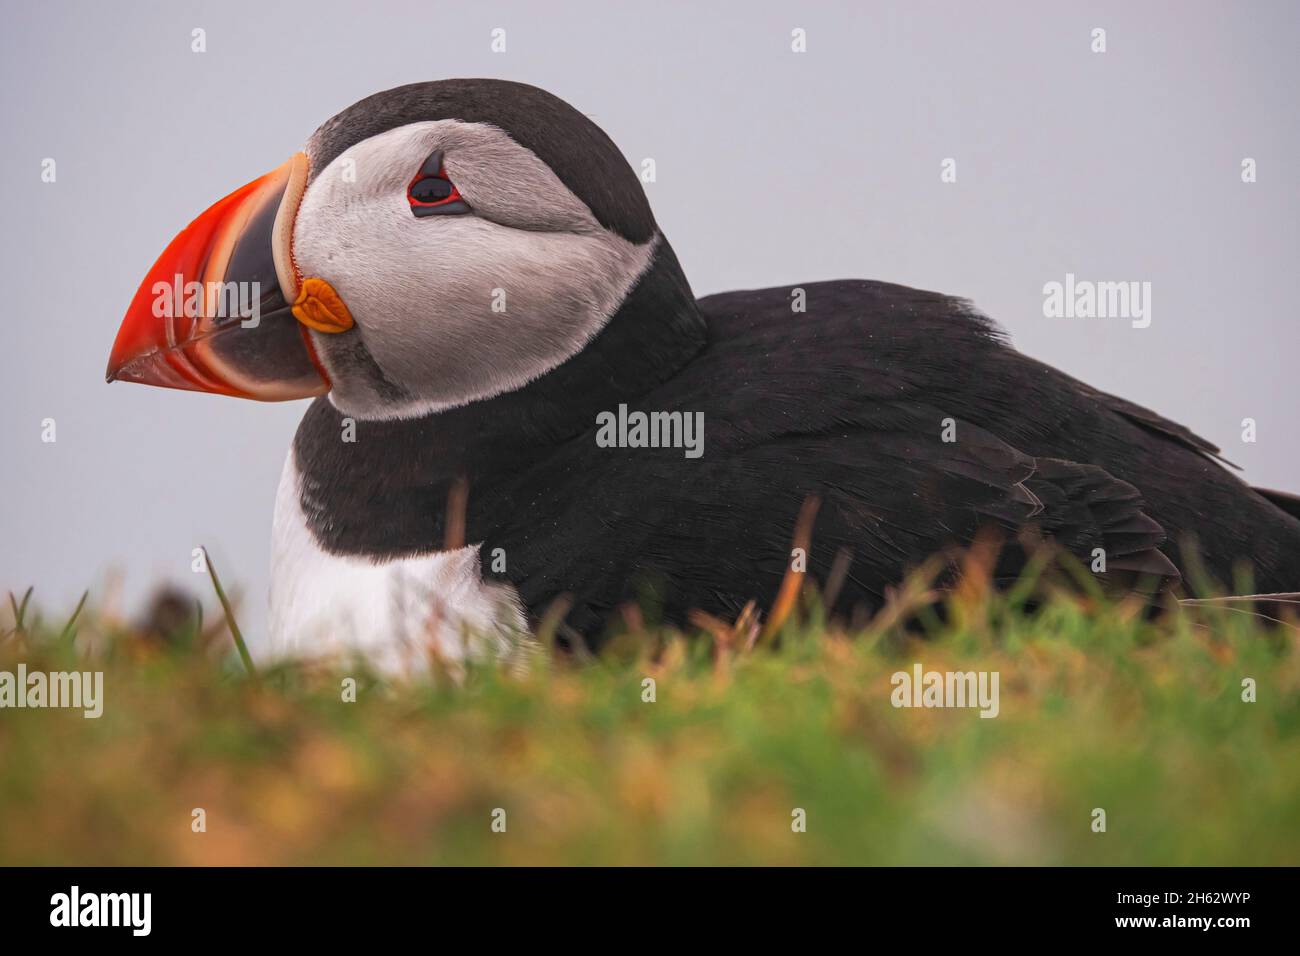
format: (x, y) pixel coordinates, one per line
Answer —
(846, 402)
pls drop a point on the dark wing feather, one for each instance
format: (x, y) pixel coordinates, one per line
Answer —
(1157, 424)
(713, 534)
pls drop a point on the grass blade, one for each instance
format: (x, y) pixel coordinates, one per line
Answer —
(20, 610)
(69, 633)
(230, 616)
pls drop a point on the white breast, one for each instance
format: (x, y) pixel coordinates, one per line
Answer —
(399, 615)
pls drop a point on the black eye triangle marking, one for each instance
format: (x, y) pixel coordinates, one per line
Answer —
(431, 193)
(432, 166)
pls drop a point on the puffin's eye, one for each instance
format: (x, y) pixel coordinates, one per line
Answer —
(431, 193)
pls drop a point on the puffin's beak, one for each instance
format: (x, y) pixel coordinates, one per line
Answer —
(214, 313)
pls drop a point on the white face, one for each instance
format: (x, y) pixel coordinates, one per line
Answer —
(454, 308)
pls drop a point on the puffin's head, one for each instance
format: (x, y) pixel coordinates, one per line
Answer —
(432, 245)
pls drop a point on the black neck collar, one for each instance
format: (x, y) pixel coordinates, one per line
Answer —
(385, 493)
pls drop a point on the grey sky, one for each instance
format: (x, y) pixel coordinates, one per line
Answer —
(773, 168)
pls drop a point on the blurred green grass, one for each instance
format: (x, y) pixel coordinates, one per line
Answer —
(1100, 707)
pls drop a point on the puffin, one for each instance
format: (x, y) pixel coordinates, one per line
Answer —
(522, 413)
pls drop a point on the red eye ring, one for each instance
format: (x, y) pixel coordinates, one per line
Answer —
(431, 192)
(452, 196)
